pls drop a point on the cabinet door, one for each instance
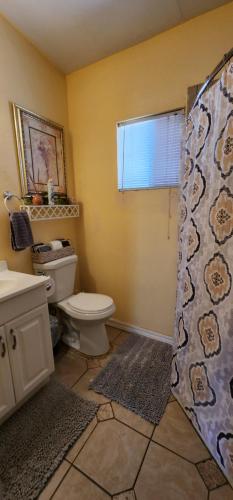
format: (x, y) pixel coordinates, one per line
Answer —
(7, 396)
(30, 350)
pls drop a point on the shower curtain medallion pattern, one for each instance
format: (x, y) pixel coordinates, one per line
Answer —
(202, 367)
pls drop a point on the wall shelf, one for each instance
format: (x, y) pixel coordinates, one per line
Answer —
(50, 212)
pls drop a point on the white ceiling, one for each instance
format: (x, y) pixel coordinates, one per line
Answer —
(74, 33)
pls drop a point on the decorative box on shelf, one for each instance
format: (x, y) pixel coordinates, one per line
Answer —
(50, 212)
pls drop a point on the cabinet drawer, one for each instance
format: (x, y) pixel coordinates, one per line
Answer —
(16, 306)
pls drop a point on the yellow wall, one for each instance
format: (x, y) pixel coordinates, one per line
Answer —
(124, 249)
(122, 238)
(28, 79)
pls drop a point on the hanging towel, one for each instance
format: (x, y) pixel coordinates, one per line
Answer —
(21, 233)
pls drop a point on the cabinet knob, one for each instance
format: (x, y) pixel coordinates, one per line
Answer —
(3, 347)
(14, 343)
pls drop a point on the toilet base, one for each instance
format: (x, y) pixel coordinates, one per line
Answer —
(93, 339)
(87, 337)
(72, 340)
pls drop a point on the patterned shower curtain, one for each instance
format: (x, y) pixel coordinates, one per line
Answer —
(202, 368)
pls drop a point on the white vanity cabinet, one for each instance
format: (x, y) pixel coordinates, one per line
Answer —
(29, 346)
(7, 396)
(26, 354)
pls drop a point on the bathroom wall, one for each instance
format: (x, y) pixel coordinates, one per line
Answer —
(28, 79)
(125, 249)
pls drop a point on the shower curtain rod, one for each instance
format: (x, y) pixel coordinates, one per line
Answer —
(209, 78)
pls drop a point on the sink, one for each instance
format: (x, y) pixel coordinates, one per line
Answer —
(13, 283)
(7, 284)
(20, 293)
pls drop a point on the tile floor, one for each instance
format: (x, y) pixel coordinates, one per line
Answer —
(121, 456)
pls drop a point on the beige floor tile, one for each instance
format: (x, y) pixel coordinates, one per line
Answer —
(165, 476)
(121, 338)
(112, 332)
(104, 361)
(105, 412)
(72, 454)
(211, 474)
(177, 433)
(223, 493)
(54, 481)
(128, 495)
(82, 387)
(69, 367)
(128, 417)
(93, 362)
(171, 398)
(112, 456)
(77, 487)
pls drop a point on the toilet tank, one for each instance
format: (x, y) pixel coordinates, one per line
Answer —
(62, 271)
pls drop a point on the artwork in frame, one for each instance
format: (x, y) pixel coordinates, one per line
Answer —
(40, 144)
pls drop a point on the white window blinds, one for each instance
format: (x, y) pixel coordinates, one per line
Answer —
(149, 151)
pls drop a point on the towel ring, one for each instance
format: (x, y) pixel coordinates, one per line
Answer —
(7, 195)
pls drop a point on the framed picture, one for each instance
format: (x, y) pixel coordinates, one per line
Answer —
(40, 145)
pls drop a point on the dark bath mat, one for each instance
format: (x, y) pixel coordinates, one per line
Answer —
(138, 377)
(36, 438)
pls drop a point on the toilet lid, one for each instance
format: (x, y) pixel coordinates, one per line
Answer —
(90, 302)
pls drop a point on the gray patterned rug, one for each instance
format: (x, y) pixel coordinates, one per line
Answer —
(35, 439)
(138, 377)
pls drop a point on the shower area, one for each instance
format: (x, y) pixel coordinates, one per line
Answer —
(202, 366)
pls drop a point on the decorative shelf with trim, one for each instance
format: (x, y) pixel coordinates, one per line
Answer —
(50, 212)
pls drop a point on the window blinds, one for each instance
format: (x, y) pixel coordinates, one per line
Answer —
(149, 151)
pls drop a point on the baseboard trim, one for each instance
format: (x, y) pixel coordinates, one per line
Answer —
(127, 327)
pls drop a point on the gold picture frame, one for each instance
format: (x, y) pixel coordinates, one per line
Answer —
(40, 147)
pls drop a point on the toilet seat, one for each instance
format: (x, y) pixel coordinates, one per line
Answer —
(90, 303)
(88, 306)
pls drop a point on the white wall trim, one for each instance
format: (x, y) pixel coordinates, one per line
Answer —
(127, 327)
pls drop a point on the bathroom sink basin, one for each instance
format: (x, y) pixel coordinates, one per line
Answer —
(7, 285)
(13, 283)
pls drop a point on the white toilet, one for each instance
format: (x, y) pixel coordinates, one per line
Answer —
(83, 315)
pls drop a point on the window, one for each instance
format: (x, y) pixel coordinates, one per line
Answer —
(149, 151)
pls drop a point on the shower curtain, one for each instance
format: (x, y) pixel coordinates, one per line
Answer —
(202, 367)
